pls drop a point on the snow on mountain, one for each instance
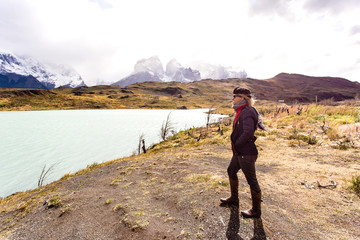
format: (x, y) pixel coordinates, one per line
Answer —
(145, 70)
(50, 75)
(151, 69)
(210, 71)
(178, 73)
(152, 65)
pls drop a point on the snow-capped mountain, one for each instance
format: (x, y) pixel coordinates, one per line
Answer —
(178, 73)
(152, 65)
(49, 75)
(151, 69)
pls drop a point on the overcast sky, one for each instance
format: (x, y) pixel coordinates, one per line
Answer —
(103, 39)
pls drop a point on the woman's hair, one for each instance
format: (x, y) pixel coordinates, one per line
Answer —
(246, 94)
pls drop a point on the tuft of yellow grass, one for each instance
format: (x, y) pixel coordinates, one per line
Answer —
(207, 179)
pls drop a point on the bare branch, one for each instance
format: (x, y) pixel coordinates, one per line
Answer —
(44, 173)
(166, 128)
(324, 126)
(350, 137)
(143, 146)
(41, 176)
(299, 110)
(296, 136)
(332, 185)
(208, 117)
(141, 139)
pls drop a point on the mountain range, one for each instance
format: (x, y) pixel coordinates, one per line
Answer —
(151, 69)
(27, 72)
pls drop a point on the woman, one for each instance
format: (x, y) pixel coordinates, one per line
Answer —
(244, 150)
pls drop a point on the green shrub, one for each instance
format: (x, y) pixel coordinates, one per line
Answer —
(332, 134)
(312, 140)
(355, 185)
(118, 207)
(260, 133)
(273, 132)
(54, 202)
(91, 166)
(299, 137)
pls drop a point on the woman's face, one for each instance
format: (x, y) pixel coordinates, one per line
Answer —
(237, 99)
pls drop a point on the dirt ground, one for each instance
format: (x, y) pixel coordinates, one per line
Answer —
(174, 194)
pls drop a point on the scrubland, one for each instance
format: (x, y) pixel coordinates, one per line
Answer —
(308, 169)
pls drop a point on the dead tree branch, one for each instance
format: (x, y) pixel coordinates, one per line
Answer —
(323, 127)
(332, 185)
(44, 173)
(208, 117)
(299, 110)
(167, 128)
(141, 140)
(350, 137)
(143, 146)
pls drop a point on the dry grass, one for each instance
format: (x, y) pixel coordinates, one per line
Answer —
(106, 97)
(158, 95)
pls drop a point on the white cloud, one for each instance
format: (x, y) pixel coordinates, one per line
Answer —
(103, 39)
(332, 6)
(102, 3)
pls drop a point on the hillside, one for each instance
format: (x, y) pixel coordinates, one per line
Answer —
(305, 88)
(12, 80)
(201, 94)
(173, 190)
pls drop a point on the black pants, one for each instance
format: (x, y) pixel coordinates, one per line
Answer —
(247, 165)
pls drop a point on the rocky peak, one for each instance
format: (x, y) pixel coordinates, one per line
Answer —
(176, 72)
(152, 65)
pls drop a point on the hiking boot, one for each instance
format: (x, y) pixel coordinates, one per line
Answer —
(234, 198)
(255, 211)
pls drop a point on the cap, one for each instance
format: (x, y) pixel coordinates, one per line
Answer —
(243, 91)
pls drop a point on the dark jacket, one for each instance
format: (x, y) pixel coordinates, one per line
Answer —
(242, 137)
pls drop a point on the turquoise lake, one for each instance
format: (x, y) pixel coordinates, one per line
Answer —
(74, 139)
